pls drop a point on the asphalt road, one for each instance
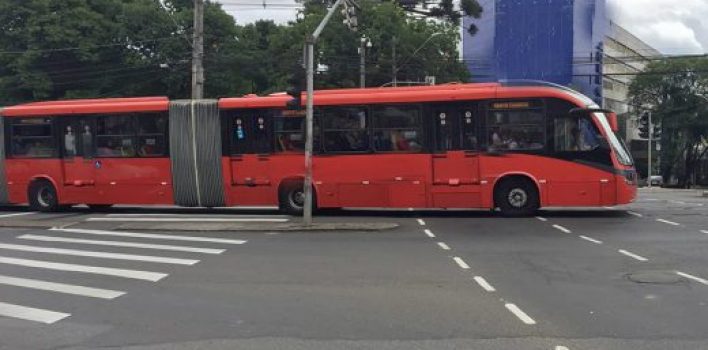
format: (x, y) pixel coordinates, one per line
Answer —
(633, 277)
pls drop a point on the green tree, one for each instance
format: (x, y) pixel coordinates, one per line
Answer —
(676, 91)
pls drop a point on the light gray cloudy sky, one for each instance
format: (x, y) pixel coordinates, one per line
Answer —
(671, 26)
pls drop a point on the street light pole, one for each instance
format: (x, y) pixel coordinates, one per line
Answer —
(651, 131)
(198, 51)
(365, 43)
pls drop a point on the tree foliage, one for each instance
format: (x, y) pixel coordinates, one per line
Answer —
(676, 91)
(58, 49)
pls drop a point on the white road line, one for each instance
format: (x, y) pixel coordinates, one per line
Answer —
(632, 255)
(541, 218)
(31, 314)
(704, 231)
(561, 228)
(668, 222)
(443, 246)
(421, 222)
(651, 199)
(60, 287)
(123, 244)
(151, 236)
(697, 279)
(589, 239)
(461, 262)
(17, 214)
(635, 214)
(429, 233)
(101, 255)
(109, 271)
(677, 202)
(561, 347)
(520, 314)
(484, 284)
(186, 220)
(196, 216)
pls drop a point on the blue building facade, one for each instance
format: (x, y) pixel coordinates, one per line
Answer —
(559, 41)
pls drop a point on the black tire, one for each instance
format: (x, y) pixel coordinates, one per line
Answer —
(516, 197)
(99, 207)
(43, 196)
(291, 198)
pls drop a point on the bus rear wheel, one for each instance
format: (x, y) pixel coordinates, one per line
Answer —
(291, 198)
(516, 197)
(43, 196)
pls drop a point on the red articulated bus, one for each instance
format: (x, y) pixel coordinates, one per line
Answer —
(516, 146)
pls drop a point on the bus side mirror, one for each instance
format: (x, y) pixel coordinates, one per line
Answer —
(612, 119)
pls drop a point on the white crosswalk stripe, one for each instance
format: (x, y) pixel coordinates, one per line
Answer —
(151, 236)
(60, 287)
(109, 271)
(103, 255)
(122, 244)
(31, 314)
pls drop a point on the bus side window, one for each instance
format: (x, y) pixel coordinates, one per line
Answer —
(470, 141)
(241, 133)
(398, 129)
(261, 133)
(32, 138)
(152, 135)
(115, 136)
(87, 135)
(69, 140)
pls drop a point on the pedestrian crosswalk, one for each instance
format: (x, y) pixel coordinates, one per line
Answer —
(92, 252)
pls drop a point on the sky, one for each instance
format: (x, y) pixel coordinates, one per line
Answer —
(670, 26)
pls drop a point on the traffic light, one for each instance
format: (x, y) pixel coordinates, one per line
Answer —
(644, 125)
(295, 87)
(656, 135)
(349, 13)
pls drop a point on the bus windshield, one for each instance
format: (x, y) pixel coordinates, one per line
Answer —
(619, 148)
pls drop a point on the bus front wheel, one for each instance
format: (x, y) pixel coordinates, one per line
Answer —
(43, 196)
(516, 197)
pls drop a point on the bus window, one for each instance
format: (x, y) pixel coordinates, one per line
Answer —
(576, 134)
(87, 150)
(345, 130)
(152, 136)
(289, 134)
(520, 129)
(240, 134)
(69, 141)
(115, 136)
(32, 138)
(397, 129)
(470, 141)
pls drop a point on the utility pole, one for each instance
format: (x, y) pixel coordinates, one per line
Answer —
(651, 131)
(198, 51)
(394, 70)
(362, 63)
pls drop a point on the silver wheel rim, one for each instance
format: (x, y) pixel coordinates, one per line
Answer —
(297, 199)
(44, 197)
(518, 198)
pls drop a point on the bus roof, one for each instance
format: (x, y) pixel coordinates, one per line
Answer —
(88, 106)
(437, 93)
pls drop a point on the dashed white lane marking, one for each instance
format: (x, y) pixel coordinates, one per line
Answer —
(31, 314)
(17, 214)
(443, 246)
(151, 236)
(461, 262)
(101, 255)
(484, 284)
(692, 277)
(651, 199)
(542, 218)
(109, 271)
(635, 214)
(429, 233)
(677, 202)
(668, 222)
(421, 222)
(561, 228)
(590, 239)
(704, 231)
(123, 244)
(520, 314)
(60, 287)
(632, 255)
(561, 347)
(139, 219)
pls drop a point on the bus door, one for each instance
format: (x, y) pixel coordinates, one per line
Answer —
(455, 160)
(77, 145)
(250, 162)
